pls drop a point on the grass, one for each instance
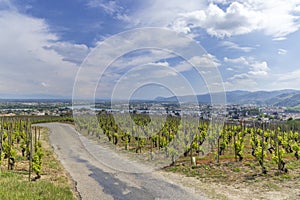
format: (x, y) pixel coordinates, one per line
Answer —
(294, 164)
(272, 186)
(54, 183)
(15, 186)
(237, 169)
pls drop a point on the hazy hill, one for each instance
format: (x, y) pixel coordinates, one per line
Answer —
(288, 98)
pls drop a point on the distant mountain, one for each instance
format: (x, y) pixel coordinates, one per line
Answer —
(283, 98)
(286, 98)
(289, 101)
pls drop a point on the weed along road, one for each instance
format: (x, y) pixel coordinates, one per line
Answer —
(95, 169)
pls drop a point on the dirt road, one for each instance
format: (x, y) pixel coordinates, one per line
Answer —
(102, 174)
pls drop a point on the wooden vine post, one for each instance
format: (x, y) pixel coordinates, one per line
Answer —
(9, 137)
(263, 148)
(234, 145)
(35, 139)
(1, 135)
(278, 151)
(30, 149)
(218, 146)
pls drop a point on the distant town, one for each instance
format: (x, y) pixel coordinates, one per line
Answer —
(35, 107)
(50, 107)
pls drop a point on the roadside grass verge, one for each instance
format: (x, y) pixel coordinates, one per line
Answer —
(14, 186)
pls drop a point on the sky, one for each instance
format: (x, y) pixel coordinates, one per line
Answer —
(145, 49)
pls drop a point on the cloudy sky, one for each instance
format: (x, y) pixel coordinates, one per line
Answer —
(251, 45)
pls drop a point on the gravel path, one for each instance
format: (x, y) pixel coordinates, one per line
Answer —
(100, 173)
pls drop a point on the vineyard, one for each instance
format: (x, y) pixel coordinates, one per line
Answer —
(264, 153)
(271, 145)
(20, 144)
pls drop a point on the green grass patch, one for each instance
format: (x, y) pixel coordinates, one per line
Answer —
(14, 186)
(293, 164)
(236, 169)
(272, 186)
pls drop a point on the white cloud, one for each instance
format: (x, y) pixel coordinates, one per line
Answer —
(26, 66)
(180, 26)
(203, 63)
(247, 72)
(235, 20)
(282, 51)
(287, 80)
(112, 8)
(258, 73)
(290, 76)
(259, 68)
(183, 67)
(240, 77)
(241, 83)
(160, 12)
(206, 60)
(232, 45)
(252, 66)
(165, 63)
(239, 17)
(279, 38)
(44, 84)
(71, 52)
(143, 57)
(240, 60)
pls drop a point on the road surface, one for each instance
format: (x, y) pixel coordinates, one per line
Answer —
(102, 174)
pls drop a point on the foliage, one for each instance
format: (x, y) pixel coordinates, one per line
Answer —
(261, 140)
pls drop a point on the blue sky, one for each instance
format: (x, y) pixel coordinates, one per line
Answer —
(253, 44)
